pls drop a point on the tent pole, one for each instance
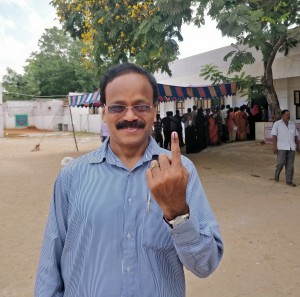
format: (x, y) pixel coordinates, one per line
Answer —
(73, 128)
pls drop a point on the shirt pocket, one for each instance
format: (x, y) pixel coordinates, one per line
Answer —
(156, 234)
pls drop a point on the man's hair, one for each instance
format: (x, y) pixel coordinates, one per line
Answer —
(122, 69)
(189, 110)
(284, 111)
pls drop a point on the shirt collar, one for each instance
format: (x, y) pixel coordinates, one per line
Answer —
(284, 122)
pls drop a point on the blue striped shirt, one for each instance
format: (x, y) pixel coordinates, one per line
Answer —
(103, 238)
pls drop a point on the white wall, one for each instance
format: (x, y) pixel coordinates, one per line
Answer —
(48, 114)
(11, 108)
(82, 119)
(42, 114)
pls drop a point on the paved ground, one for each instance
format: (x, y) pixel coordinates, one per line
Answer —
(259, 218)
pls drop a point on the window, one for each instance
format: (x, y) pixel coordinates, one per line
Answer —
(158, 107)
(204, 103)
(180, 107)
(298, 112)
(297, 103)
(297, 97)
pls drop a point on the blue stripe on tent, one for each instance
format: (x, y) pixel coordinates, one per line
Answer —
(228, 89)
(207, 92)
(218, 91)
(184, 91)
(161, 90)
(174, 92)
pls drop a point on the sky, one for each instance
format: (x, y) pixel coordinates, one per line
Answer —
(22, 23)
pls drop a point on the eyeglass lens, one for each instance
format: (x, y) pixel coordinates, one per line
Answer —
(118, 108)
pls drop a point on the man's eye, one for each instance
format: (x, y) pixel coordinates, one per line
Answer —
(142, 108)
(116, 108)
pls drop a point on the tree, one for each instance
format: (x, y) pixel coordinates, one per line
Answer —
(116, 31)
(18, 86)
(56, 69)
(58, 66)
(261, 24)
(147, 31)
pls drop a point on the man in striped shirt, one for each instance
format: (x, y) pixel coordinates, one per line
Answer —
(125, 219)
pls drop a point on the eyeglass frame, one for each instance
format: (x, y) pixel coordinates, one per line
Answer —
(133, 108)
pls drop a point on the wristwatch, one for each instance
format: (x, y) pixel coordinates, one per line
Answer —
(178, 220)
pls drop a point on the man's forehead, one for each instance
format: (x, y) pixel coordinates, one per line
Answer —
(133, 84)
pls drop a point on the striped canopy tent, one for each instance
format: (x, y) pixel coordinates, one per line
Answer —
(84, 100)
(169, 93)
(166, 93)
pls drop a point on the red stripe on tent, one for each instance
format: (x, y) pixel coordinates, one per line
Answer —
(189, 91)
(223, 90)
(179, 91)
(233, 87)
(201, 92)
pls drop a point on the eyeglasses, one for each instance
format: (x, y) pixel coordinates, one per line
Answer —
(140, 109)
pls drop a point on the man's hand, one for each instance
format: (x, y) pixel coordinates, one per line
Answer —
(167, 180)
(274, 141)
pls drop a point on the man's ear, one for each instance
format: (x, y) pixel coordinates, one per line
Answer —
(154, 111)
(103, 114)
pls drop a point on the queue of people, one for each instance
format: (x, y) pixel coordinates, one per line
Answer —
(208, 127)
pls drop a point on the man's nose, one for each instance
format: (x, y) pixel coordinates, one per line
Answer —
(129, 115)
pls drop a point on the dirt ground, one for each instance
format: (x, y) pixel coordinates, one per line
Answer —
(259, 219)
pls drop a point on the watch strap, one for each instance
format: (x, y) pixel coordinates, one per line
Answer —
(178, 220)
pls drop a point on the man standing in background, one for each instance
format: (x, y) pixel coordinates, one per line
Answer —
(157, 127)
(285, 144)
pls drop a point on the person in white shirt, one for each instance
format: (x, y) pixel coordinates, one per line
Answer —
(285, 145)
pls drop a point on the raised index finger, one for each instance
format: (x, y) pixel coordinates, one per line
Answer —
(175, 150)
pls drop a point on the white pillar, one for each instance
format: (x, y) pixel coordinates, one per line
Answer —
(1, 113)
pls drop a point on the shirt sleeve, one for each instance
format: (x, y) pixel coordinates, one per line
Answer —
(49, 281)
(198, 241)
(274, 130)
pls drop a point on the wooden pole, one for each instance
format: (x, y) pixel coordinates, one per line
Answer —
(73, 128)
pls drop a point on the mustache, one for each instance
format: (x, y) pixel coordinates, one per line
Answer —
(133, 124)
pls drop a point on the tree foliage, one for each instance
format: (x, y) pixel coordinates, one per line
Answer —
(56, 69)
(147, 32)
(261, 24)
(247, 85)
(115, 31)
(17, 84)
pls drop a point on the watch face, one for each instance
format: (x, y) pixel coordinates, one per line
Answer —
(179, 220)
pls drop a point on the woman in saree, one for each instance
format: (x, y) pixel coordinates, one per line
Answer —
(242, 124)
(231, 125)
(213, 130)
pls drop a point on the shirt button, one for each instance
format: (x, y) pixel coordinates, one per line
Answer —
(128, 236)
(130, 200)
(128, 269)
